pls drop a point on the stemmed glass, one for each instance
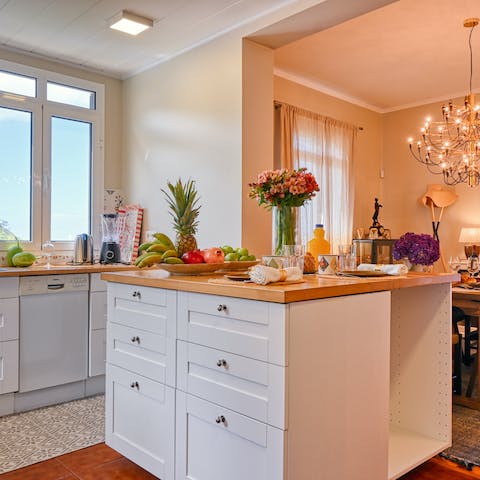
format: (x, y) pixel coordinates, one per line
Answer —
(454, 263)
(472, 265)
(48, 249)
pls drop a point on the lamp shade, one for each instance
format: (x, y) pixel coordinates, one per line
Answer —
(470, 235)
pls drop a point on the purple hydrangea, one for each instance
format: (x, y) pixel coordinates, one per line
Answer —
(421, 249)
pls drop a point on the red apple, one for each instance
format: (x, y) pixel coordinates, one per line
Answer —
(195, 256)
(213, 255)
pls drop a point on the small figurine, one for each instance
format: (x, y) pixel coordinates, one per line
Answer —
(376, 229)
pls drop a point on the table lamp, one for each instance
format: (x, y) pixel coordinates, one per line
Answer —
(471, 238)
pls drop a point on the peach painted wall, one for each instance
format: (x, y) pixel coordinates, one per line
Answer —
(406, 181)
(368, 147)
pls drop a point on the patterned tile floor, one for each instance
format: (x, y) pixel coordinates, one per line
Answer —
(31, 437)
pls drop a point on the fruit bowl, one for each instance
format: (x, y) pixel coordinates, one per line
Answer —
(199, 268)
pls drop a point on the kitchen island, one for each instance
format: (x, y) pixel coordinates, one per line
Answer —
(335, 378)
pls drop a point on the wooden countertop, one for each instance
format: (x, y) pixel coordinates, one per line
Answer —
(62, 269)
(315, 286)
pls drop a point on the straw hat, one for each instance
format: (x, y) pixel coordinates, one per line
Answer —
(439, 195)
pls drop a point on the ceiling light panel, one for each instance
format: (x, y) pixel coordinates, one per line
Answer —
(130, 23)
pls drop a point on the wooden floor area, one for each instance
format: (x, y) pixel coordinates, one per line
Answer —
(102, 463)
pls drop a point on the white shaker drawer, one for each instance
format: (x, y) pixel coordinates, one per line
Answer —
(98, 310)
(9, 312)
(145, 308)
(9, 366)
(9, 287)
(140, 421)
(145, 353)
(214, 443)
(251, 387)
(250, 328)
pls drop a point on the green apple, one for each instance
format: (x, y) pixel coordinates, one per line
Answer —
(242, 251)
(251, 258)
(227, 249)
(232, 257)
(244, 258)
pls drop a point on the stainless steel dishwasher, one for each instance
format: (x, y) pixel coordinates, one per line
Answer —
(53, 330)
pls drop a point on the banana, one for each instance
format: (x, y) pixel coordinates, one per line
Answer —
(162, 238)
(169, 253)
(150, 260)
(158, 247)
(143, 257)
(173, 260)
(145, 246)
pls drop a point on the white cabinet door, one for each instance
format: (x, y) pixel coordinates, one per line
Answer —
(214, 443)
(96, 354)
(9, 319)
(140, 421)
(98, 310)
(9, 287)
(9, 366)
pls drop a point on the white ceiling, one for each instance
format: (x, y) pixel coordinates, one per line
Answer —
(76, 31)
(407, 53)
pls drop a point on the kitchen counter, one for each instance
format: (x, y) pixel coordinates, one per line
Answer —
(63, 269)
(314, 287)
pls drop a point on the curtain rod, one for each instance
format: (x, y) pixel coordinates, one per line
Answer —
(278, 104)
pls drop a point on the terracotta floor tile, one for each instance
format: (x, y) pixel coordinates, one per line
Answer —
(121, 469)
(87, 458)
(48, 470)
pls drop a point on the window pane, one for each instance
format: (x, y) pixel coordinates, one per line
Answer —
(15, 170)
(18, 84)
(71, 178)
(70, 95)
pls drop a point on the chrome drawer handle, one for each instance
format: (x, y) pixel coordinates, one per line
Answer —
(221, 419)
(221, 307)
(135, 385)
(222, 363)
(135, 339)
(136, 294)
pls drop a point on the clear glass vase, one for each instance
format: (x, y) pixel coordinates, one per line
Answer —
(286, 227)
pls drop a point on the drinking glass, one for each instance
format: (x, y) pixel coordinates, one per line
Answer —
(454, 263)
(347, 257)
(49, 249)
(472, 265)
(295, 255)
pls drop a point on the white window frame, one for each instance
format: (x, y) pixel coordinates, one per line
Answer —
(42, 112)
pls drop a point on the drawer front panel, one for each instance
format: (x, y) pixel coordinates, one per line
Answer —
(98, 310)
(246, 327)
(214, 443)
(244, 385)
(9, 312)
(9, 287)
(9, 366)
(145, 353)
(97, 352)
(149, 309)
(140, 421)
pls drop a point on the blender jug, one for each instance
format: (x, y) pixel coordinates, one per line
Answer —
(110, 252)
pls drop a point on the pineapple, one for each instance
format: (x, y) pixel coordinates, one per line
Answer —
(182, 201)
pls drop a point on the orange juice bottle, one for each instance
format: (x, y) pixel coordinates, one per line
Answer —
(318, 245)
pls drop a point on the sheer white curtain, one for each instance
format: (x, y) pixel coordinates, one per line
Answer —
(325, 147)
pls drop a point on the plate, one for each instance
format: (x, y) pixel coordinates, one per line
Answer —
(190, 268)
(362, 273)
(240, 277)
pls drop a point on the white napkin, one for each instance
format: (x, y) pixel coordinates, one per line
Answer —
(263, 275)
(389, 269)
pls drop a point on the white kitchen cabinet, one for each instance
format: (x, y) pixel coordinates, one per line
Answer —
(214, 443)
(140, 383)
(140, 420)
(349, 387)
(9, 334)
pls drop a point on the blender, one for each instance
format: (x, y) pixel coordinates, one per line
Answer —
(110, 251)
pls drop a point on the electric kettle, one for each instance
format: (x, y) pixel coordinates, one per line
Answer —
(83, 252)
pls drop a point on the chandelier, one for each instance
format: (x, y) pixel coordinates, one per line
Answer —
(451, 147)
